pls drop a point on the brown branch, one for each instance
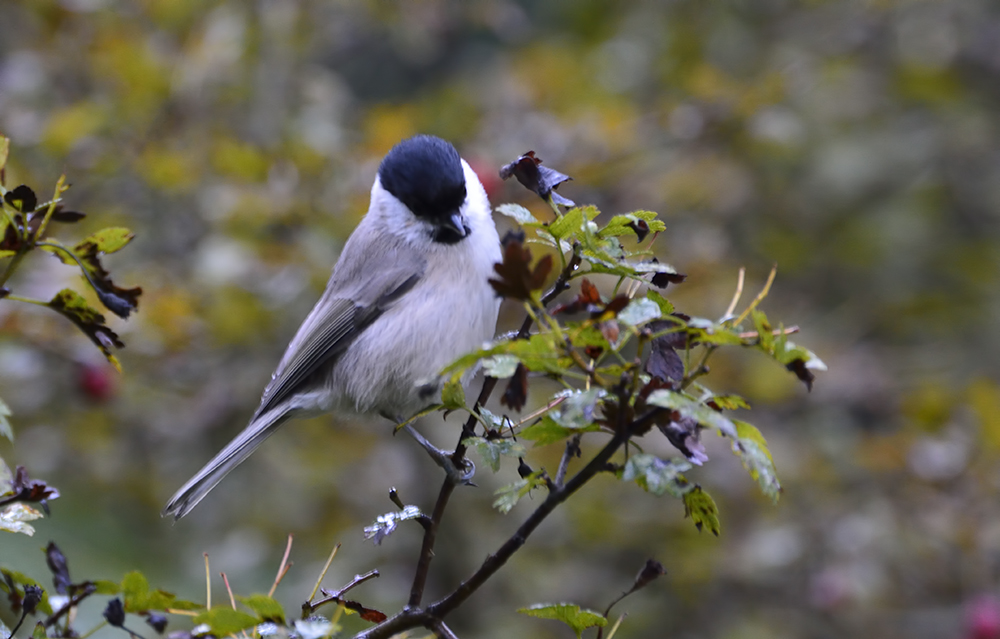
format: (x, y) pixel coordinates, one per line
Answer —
(489, 384)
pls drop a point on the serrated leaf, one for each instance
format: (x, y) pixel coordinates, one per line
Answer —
(639, 311)
(626, 224)
(453, 395)
(657, 476)
(577, 410)
(106, 240)
(751, 447)
(701, 508)
(500, 366)
(225, 621)
(138, 596)
(266, 608)
(5, 428)
(689, 408)
(731, 402)
(568, 224)
(548, 431)
(14, 518)
(72, 306)
(577, 618)
(518, 213)
(492, 449)
(508, 496)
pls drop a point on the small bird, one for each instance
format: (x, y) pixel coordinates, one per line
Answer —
(408, 295)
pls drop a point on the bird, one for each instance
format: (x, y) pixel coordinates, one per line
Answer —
(408, 295)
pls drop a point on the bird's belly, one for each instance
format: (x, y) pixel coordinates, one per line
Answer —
(409, 344)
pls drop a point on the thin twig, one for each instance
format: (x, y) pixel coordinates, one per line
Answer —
(737, 294)
(336, 595)
(232, 599)
(323, 573)
(208, 584)
(760, 297)
(283, 568)
(448, 487)
(442, 630)
(572, 450)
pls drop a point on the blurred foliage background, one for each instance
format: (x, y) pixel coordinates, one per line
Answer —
(854, 143)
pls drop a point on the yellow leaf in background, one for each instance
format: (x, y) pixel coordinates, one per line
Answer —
(168, 169)
(236, 159)
(386, 125)
(237, 316)
(984, 397)
(68, 125)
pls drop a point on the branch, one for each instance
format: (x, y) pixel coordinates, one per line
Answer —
(430, 533)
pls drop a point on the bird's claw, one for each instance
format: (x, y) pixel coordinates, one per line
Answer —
(458, 474)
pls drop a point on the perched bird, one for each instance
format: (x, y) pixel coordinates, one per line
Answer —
(408, 295)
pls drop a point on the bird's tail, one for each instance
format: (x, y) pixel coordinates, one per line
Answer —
(229, 458)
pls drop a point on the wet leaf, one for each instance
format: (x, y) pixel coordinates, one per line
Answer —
(14, 518)
(752, 450)
(490, 450)
(508, 496)
(639, 311)
(657, 476)
(701, 508)
(501, 366)
(518, 213)
(387, 523)
(690, 408)
(570, 614)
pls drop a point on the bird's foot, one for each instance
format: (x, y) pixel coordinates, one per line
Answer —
(458, 474)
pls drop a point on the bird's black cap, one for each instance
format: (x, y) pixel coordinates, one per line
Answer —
(425, 173)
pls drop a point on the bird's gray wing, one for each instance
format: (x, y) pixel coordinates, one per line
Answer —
(374, 270)
(328, 331)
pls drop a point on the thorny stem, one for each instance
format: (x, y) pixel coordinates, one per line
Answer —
(430, 616)
(447, 488)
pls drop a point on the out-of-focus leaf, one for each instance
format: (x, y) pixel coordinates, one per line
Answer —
(518, 213)
(500, 366)
(225, 621)
(23, 580)
(701, 508)
(39, 632)
(689, 408)
(492, 449)
(71, 305)
(5, 427)
(516, 393)
(729, 402)
(21, 198)
(14, 518)
(540, 179)
(657, 476)
(315, 628)
(752, 450)
(266, 608)
(508, 496)
(639, 311)
(453, 395)
(106, 240)
(139, 597)
(570, 614)
(577, 410)
(666, 308)
(798, 360)
(57, 564)
(386, 524)
(24, 489)
(548, 431)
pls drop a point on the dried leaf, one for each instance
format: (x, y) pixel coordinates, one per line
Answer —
(540, 179)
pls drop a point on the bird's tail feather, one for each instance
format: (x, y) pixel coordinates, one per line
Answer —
(229, 458)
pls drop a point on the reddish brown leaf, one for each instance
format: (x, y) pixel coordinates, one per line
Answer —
(516, 393)
(539, 179)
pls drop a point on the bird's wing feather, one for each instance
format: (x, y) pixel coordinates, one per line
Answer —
(353, 300)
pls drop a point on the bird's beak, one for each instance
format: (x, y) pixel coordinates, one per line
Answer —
(452, 229)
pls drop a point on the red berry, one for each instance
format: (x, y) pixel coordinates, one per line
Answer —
(982, 618)
(96, 382)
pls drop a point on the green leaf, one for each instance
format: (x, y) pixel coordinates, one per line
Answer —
(547, 431)
(138, 596)
(700, 506)
(106, 240)
(508, 496)
(493, 421)
(568, 224)
(666, 308)
(105, 587)
(622, 224)
(639, 311)
(39, 631)
(266, 608)
(5, 427)
(4, 150)
(518, 213)
(492, 449)
(453, 395)
(731, 402)
(765, 333)
(657, 476)
(225, 621)
(72, 306)
(500, 366)
(570, 614)
(577, 410)
(7, 253)
(14, 518)
(752, 450)
(690, 408)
